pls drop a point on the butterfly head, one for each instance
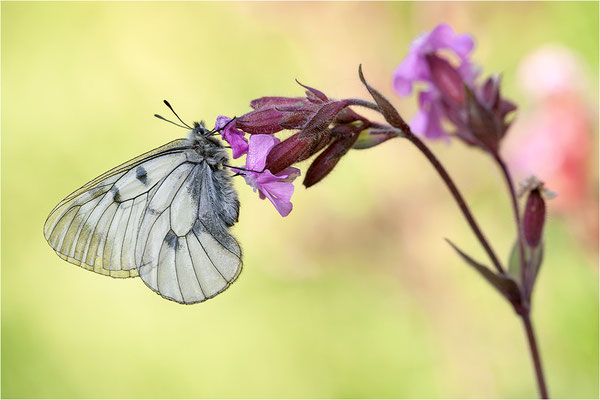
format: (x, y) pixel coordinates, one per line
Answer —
(200, 130)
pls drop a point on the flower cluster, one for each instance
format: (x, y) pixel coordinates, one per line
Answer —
(278, 188)
(323, 125)
(328, 128)
(477, 112)
(452, 103)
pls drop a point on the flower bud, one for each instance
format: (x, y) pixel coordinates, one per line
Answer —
(328, 159)
(275, 101)
(372, 137)
(288, 152)
(261, 121)
(535, 208)
(482, 124)
(347, 116)
(534, 218)
(313, 95)
(446, 78)
(323, 117)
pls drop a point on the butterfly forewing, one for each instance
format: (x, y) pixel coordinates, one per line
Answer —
(163, 215)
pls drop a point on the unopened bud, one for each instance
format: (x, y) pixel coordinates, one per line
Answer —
(261, 121)
(275, 101)
(446, 78)
(535, 209)
(328, 159)
(534, 218)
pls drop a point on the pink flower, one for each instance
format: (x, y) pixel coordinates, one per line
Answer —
(233, 136)
(277, 188)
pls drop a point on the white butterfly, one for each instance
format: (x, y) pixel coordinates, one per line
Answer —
(163, 216)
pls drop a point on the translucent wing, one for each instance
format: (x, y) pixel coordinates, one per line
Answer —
(94, 226)
(163, 215)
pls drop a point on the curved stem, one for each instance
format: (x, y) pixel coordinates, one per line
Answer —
(515, 206)
(458, 197)
(535, 355)
(364, 103)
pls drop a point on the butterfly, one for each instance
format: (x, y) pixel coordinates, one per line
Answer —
(162, 216)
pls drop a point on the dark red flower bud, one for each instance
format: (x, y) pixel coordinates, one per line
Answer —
(323, 117)
(297, 116)
(534, 218)
(313, 95)
(503, 108)
(490, 91)
(446, 78)
(482, 124)
(308, 141)
(328, 159)
(261, 121)
(290, 151)
(295, 120)
(274, 101)
(490, 97)
(347, 115)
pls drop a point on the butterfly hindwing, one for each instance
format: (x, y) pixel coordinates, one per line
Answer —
(182, 259)
(163, 215)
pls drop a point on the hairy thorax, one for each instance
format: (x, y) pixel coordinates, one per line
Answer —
(208, 149)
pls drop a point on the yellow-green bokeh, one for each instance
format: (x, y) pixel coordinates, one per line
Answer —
(355, 294)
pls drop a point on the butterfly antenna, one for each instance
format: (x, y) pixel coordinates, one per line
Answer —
(243, 169)
(173, 111)
(169, 121)
(215, 131)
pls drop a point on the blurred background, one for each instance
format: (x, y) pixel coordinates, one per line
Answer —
(355, 294)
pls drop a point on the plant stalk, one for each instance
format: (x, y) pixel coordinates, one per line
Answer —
(457, 197)
(515, 206)
(535, 355)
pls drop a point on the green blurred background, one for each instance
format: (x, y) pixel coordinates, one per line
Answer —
(355, 294)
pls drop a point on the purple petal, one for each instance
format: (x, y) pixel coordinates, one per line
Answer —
(277, 188)
(260, 145)
(232, 135)
(238, 143)
(414, 68)
(443, 37)
(427, 121)
(278, 192)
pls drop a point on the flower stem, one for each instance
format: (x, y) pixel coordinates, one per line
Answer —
(364, 103)
(457, 197)
(515, 206)
(535, 355)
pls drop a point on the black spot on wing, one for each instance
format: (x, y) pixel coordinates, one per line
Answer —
(141, 174)
(116, 195)
(171, 240)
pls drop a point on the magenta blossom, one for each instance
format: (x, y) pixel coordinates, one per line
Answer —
(277, 188)
(233, 136)
(477, 112)
(417, 67)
